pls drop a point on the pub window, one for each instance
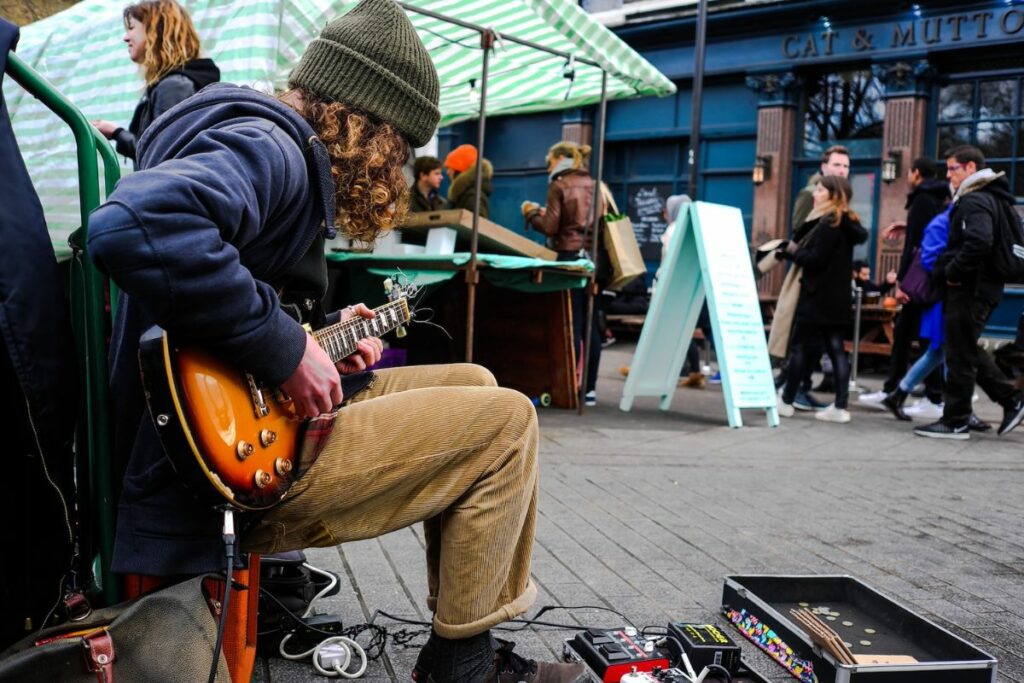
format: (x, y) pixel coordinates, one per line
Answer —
(987, 113)
(844, 108)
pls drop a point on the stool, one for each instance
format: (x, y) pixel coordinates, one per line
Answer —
(239, 645)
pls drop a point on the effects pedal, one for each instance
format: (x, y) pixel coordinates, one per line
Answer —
(658, 676)
(611, 654)
(704, 645)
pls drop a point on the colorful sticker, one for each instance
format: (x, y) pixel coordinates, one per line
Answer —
(765, 638)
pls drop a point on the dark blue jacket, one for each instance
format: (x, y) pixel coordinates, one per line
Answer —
(39, 383)
(232, 190)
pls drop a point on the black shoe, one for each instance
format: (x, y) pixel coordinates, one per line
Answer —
(942, 430)
(806, 402)
(894, 402)
(1012, 416)
(976, 424)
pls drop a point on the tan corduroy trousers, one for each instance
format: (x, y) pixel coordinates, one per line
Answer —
(442, 445)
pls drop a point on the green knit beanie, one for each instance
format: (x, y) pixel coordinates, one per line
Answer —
(372, 59)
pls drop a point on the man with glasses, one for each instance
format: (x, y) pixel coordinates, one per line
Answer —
(972, 290)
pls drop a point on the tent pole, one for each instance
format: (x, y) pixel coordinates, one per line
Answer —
(472, 274)
(512, 39)
(698, 95)
(595, 248)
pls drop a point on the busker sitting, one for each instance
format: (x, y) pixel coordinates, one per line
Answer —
(219, 238)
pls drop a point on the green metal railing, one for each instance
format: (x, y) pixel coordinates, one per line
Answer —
(93, 441)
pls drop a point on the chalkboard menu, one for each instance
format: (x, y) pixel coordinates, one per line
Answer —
(646, 211)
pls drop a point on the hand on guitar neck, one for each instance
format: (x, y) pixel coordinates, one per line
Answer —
(315, 386)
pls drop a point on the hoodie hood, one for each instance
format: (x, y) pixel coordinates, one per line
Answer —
(223, 105)
(202, 72)
(932, 186)
(466, 181)
(988, 180)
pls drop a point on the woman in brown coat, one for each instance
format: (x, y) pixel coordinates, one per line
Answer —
(569, 223)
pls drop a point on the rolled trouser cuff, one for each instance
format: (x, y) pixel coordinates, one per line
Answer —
(506, 612)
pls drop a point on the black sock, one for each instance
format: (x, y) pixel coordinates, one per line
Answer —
(463, 660)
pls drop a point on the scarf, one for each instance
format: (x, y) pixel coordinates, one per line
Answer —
(561, 166)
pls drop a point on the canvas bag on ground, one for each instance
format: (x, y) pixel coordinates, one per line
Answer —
(165, 636)
(620, 242)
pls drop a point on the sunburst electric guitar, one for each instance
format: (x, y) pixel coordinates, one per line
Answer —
(232, 440)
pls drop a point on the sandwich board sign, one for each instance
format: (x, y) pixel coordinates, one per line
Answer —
(707, 257)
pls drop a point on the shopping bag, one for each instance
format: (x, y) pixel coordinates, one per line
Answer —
(620, 242)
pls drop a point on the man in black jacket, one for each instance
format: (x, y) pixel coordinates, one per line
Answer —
(927, 197)
(973, 289)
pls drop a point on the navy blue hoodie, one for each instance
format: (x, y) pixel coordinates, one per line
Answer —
(230, 195)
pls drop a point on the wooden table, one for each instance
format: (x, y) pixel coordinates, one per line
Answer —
(876, 329)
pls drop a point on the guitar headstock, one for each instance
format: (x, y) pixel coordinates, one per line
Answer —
(398, 288)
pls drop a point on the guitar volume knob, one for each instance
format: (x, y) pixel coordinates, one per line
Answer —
(283, 466)
(244, 449)
(262, 479)
(267, 437)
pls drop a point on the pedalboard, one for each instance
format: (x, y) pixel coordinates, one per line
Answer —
(611, 654)
(706, 644)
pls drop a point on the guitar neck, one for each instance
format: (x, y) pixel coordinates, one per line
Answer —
(340, 340)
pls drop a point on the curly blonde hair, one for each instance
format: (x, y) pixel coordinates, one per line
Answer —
(367, 156)
(171, 38)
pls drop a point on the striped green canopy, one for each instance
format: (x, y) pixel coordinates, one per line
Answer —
(258, 42)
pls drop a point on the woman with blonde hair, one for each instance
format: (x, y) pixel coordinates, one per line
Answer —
(823, 248)
(162, 40)
(569, 222)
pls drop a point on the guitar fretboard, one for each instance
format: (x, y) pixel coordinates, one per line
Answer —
(340, 340)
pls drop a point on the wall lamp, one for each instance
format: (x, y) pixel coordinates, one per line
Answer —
(891, 166)
(762, 169)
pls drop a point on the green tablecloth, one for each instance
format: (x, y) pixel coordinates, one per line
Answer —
(514, 272)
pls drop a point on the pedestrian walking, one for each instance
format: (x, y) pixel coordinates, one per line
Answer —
(823, 311)
(927, 198)
(982, 208)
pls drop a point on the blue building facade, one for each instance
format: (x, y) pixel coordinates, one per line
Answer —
(891, 80)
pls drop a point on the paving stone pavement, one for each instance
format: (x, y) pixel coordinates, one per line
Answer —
(645, 513)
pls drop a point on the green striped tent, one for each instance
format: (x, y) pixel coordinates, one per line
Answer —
(258, 42)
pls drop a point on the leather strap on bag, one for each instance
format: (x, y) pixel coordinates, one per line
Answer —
(99, 655)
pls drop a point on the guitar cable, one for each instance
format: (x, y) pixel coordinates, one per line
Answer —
(229, 550)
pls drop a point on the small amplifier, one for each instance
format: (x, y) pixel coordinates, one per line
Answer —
(706, 644)
(613, 653)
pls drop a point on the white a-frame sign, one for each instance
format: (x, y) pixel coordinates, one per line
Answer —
(706, 256)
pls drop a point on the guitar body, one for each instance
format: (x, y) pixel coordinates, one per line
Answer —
(232, 440)
(218, 427)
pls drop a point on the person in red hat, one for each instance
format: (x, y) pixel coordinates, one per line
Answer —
(461, 165)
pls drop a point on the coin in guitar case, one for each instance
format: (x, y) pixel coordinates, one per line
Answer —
(830, 618)
(866, 643)
(847, 623)
(869, 631)
(804, 604)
